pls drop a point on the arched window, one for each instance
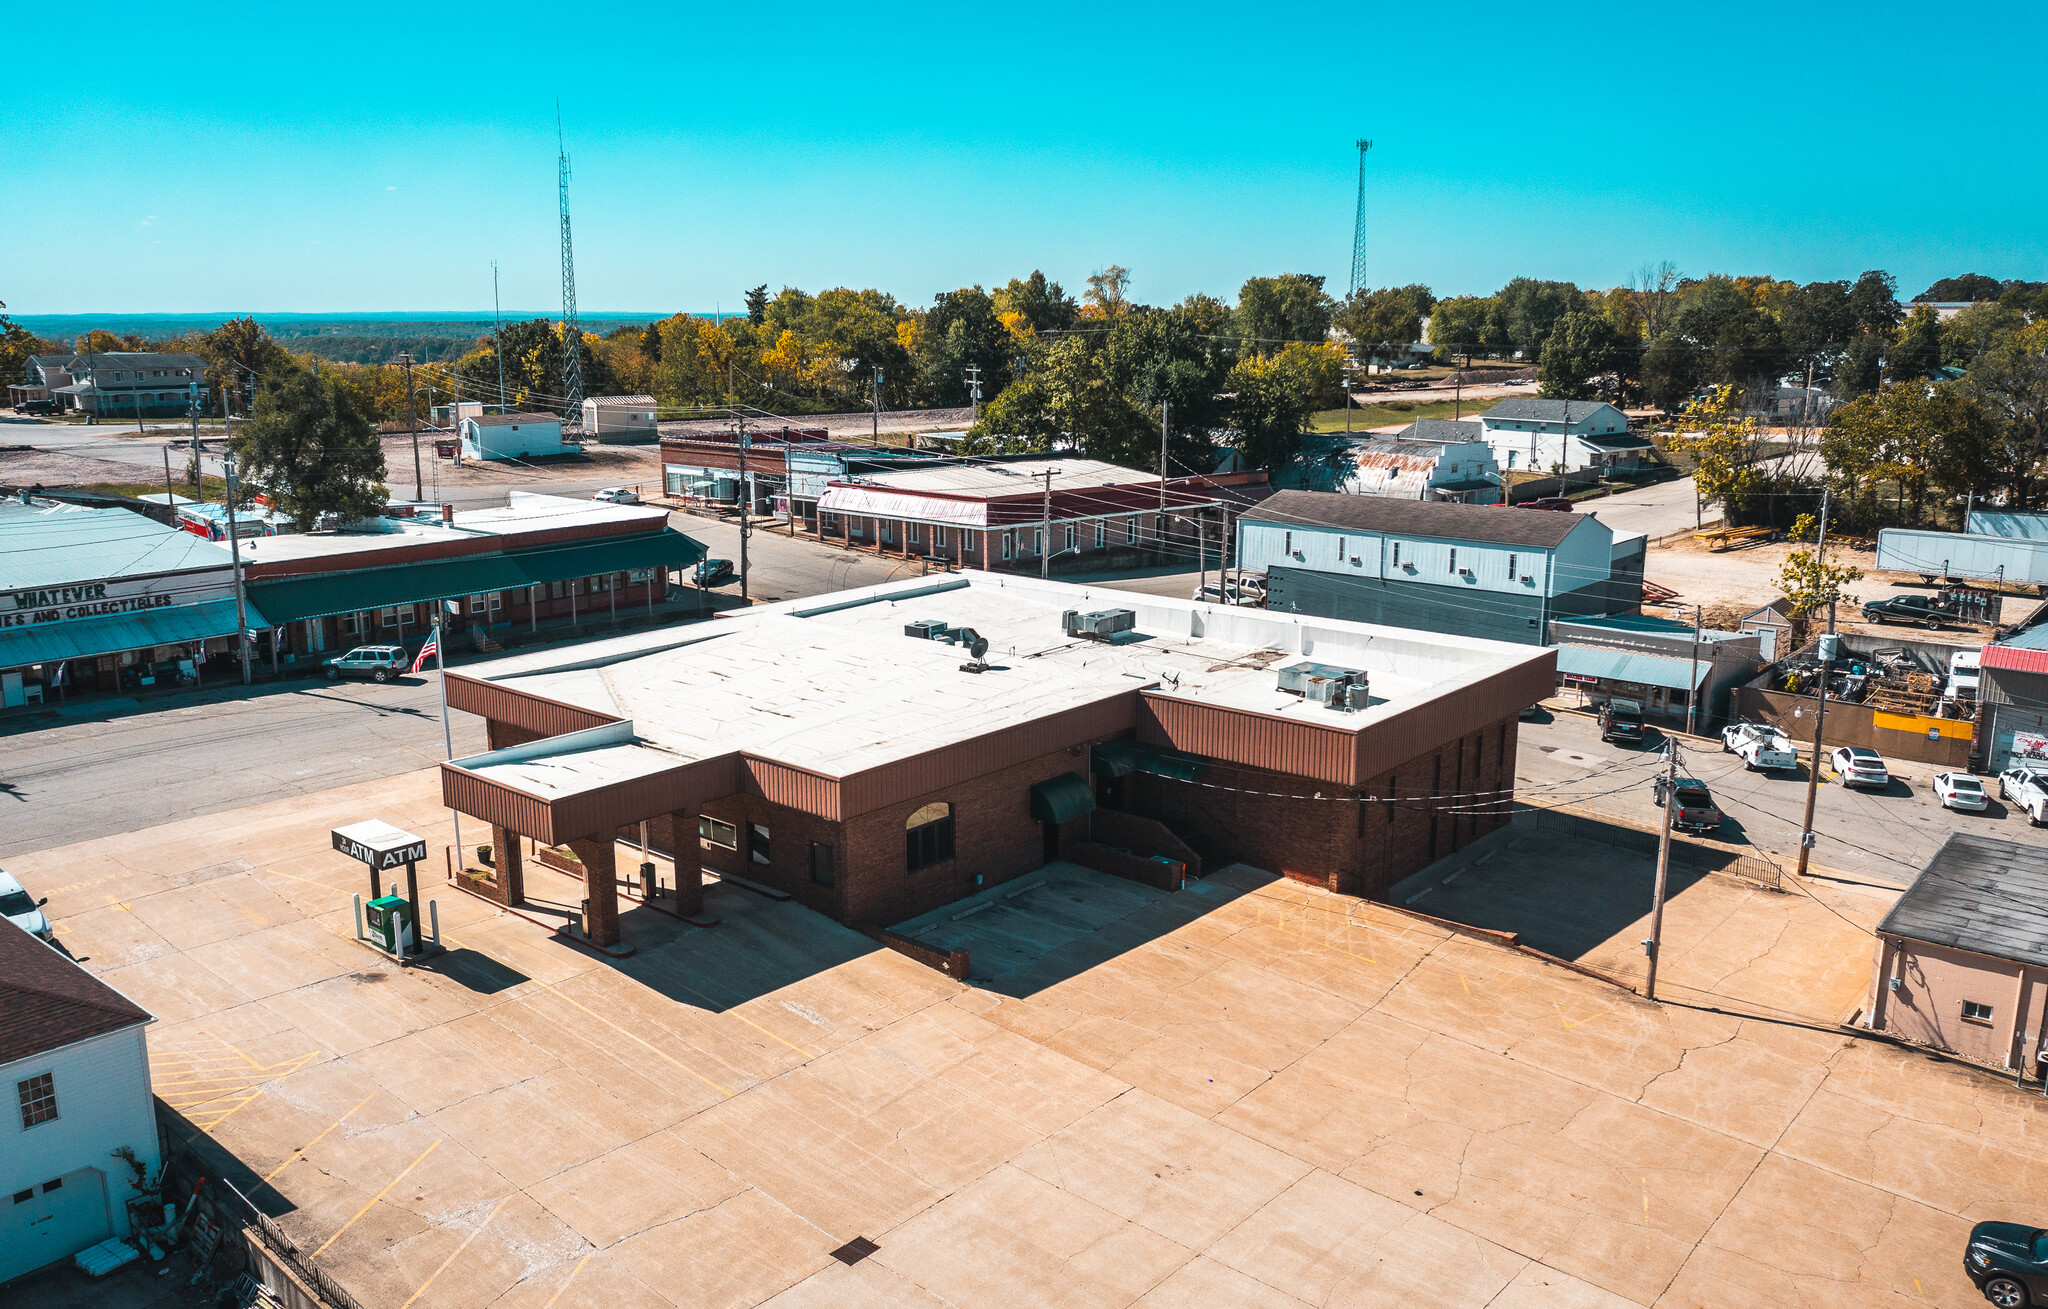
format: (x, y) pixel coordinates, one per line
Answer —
(928, 836)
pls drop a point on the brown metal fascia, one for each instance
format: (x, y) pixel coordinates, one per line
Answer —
(800, 789)
(1246, 736)
(426, 551)
(948, 766)
(682, 788)
(498, 804)
(535, 713)
(1429, 726)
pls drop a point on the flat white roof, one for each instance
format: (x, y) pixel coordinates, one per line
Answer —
(1011, 477)
(527, 513)
(833, 684)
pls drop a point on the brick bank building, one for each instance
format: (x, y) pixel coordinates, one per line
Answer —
(849, 750)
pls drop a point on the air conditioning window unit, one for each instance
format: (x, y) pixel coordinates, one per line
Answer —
(925, 629)
(1099, 625)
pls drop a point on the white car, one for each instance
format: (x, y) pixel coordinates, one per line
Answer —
(1760, 746)
(2026, 785)
(17, 908)
(1960, 791)
(617, 495)
(1857, 766)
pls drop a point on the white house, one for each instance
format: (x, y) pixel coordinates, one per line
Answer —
(1530, 433)
(74, 1064)
(620, 419)
(511, 436)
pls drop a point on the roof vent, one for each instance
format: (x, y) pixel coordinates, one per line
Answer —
(1101, 624)
(1343, 689)
(926, 629)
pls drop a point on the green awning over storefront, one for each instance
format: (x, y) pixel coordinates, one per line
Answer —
(1063, 797)
(288, 599)
(1122, 758)
(47, 643)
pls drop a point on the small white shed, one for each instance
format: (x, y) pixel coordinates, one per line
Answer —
(511, 436)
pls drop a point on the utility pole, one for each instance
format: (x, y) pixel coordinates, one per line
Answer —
(1159, 528)
(498, 335)
(170, 497)
(235, 553)
(974, 388)
(1692, 690)
(1654, 945)
(1820, 717)
(412, 417)
(1045, 548)
(746, 495)
(876, 438)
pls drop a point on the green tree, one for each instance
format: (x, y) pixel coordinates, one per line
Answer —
(1275, 394)
(1529, 309)
(1581, 349)
(1816, 321)
(1968, 287)
(757, 305)
(1465, 323)
(1272, 311)
(17, 343)
(1108, 293)
(236, 351)
(1861, 368)
(309, 448)
(1874, 303)
(1738, 343)
(962, 330)
(1172, 357)
(2010, 380)
(1670, 372)
(1038, 303)
(1812, 585)
(1918, 350)
(1977, 329)
(1378, 320)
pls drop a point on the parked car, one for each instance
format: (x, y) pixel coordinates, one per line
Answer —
(1622, 720)
(715, 572)
(2026, 785)
(617, 495)
(1695, 810)
(1921, 609)
(36, 408)
(1554, 502)
(2009, 1263)
(1857, 766)
(17, 908)
(1960, 791)
(1759, 745)
(379, 663)
(1231, 594)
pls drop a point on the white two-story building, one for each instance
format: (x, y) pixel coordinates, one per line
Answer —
(1528, 433)
(1500, 573)
(117, 384)
(74, 1068)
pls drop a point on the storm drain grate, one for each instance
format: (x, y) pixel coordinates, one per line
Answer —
(855, 1250)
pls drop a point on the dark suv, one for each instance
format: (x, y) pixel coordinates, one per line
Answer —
(1909, 609)
(1621, 720)
(2009, 1264)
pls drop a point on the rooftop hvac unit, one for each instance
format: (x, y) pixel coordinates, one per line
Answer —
(925, 629)
(1100, 625)
(1343, 689)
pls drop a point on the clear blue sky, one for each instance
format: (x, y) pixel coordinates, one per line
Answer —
(320, 159)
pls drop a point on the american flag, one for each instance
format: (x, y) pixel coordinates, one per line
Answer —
(431, 648)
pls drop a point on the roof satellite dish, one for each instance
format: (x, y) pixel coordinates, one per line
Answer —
(979, 648)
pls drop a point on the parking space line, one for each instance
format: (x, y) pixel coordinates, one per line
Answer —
(474, 1233)
(565, 1282)
(631, 1037)
(375, 1198)
(300, 1153)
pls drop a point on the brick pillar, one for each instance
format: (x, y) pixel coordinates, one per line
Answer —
(876, 523)
(508, 885)
(689, 863)
(600, 884)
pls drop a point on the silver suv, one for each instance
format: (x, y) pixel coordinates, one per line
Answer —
(379, 663)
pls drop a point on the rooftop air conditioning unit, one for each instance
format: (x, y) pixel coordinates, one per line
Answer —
(1100, 625)
(925, 629)
(1342, 689)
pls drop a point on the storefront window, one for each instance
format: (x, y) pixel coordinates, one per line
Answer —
(928, 836)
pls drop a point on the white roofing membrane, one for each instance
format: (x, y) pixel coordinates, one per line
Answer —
(832, 683)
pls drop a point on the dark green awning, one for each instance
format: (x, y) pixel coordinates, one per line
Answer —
(288, 599)
(1063, 797)
(1122, 758)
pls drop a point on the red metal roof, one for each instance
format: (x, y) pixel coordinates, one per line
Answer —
(2014, 659)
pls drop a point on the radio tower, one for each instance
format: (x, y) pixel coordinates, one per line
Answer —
(1357, 232)
(572, 335)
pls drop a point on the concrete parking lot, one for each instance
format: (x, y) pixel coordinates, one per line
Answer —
(1249, 1092)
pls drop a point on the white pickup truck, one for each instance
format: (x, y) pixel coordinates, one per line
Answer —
(1760, 746)
(2026, 786)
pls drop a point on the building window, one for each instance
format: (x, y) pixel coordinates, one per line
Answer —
(1511, 568)
(1340, 549)
(722, 836)
(1037, 541)
(757, 844)
(916, 533)
(1287, 543)
(967, 541)
(54, 1184)
(23, 1197)
(1067, 539)
(1397, 554)
(928, 836)
(1006, 545)
(939, 538)
(1101, 533)
(351, 624)
(821, 863)
(486, 604)
(1972, 1013)
(1130, 531)
(400, 617)
(1454, 559)
(39, 1099)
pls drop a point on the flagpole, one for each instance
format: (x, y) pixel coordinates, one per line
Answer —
(447, 737)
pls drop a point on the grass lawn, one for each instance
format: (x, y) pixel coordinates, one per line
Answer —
(213, 488)
(1387, 412)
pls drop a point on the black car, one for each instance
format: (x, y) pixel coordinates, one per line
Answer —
(715, 572)
(2009, 1264)
(36, 407)
(1909, 609)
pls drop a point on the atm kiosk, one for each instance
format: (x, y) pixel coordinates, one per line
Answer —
(392, 921)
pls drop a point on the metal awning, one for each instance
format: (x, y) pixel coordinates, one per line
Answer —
(1122, 758)
(1612, 665)
(84, 638)
(1063, 797)
(288, 599)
